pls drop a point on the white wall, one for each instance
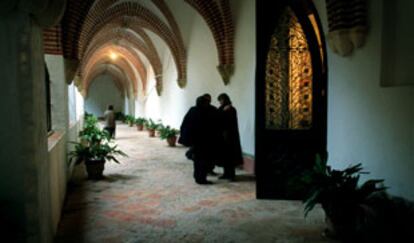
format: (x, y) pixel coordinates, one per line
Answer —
(203, 76)
(72, 103)
(368, 123)
(75, 104)
(103, 92)
(58, 92)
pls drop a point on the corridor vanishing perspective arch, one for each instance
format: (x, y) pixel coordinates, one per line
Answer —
(88, 24)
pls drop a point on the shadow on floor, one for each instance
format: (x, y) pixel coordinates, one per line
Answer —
(245, 178)
(76, 210)
(118, 177)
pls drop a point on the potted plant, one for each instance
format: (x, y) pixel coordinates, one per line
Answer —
(94, 148)
(130, 120)
(346, 204)
(151, 126)
(140, 121)
(170, 134)
(94, 156)
(91, 133)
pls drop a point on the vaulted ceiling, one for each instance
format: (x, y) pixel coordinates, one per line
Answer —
(110, 36)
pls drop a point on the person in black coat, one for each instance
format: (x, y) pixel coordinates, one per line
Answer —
(230, 148)
(196, 133)
(215, 129)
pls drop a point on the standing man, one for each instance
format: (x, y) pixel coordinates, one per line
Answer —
(231, 153)
(196, 134)
(212, 114)
(110, 123)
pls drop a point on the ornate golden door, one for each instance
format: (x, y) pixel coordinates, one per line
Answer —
(291, 96)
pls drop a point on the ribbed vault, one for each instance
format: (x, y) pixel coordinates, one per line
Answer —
(126, 38)
(142, 17)
(93, 29)
(115, 72)
(124, 57)
(105, 69)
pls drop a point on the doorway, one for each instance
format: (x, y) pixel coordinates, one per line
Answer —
(291, 106)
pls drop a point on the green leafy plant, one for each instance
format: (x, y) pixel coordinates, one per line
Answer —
(91, 133)
(168, 132)
(90, 120)
(345, 202)
(151, 125)
(140, 121)
(129, 119)
(329, 186)
(98, 151)
(94, 149)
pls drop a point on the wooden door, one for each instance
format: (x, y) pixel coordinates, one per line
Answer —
(290, 96)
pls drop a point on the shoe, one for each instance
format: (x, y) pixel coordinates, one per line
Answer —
(204, 182)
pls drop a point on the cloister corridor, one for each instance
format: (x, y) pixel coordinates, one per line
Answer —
(152, 197)
(313, 99)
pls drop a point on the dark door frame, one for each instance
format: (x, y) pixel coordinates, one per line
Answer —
(279, 141)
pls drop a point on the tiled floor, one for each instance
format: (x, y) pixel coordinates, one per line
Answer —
(151, 197)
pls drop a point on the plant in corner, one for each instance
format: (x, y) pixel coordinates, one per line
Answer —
(170, 134)
(94, 148)
(94, 156)
(346, 204)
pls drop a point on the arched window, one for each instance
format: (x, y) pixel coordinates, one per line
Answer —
(289, 75)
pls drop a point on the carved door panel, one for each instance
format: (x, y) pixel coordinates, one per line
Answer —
(291, 97)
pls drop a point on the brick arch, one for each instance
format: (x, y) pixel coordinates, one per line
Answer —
(130, 34)
(126, 52)
(165, 10)
(143, 18)
(218, 16)
(120, 82)
(124, 43)
(72, 21)
(158, 77)
(111, 34)
(123, 61)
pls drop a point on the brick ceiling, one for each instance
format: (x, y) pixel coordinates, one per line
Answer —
(91, 27)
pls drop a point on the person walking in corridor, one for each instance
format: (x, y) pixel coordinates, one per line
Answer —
(110, 123)
(230, 148)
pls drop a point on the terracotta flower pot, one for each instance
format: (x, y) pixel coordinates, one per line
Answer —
(151, 132)
(171, 141)
(95, 169)
(140, 127)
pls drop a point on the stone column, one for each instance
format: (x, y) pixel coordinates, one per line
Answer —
(24, 185)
